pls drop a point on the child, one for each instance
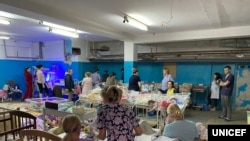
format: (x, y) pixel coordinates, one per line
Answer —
(215, 90)
(162, 105)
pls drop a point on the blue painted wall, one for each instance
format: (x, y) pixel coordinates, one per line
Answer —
(192, 72)
(128, 67)
(150, 71)
(14, 69)
(102, 66)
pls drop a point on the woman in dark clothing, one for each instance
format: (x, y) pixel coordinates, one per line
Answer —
(29, 86)
(69, 84)
(134, 81)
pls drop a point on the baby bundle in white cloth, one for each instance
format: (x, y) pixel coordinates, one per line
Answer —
(202, 130)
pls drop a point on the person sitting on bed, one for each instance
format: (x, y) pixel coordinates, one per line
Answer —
(171, 89)
(177, 127)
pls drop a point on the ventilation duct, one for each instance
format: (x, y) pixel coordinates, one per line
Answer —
(102, 48)
(235, 43)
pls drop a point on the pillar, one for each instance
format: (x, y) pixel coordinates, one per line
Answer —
(130, 57)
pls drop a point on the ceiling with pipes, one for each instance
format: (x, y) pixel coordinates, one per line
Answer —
(168, 21)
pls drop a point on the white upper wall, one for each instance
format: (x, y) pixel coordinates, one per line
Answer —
(115, 48)
(83, 45)
(53, 51)
(10, 49)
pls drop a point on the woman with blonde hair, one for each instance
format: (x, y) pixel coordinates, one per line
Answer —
(177, 127)
(71, 125)
(87, 83)
(116, 120)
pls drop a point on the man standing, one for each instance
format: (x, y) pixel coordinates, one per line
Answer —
(226, 84)
(69, 84)
(96, 78)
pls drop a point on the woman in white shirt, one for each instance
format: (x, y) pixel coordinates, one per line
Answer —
(87, 83)
(41, 81)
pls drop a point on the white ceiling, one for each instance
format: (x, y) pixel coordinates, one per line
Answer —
(191, 19)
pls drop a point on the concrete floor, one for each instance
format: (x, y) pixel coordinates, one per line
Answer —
(207, 117)
(211, 117)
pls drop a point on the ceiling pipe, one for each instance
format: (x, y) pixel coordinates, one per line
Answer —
(183, 55)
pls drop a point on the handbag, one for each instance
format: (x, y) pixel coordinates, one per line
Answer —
(78, 108)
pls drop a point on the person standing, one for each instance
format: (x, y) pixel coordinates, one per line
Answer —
(215, 92)
(115, 121)
(226, 84)
(105, 76)
(122, 76)
(29, 84)
(135, 81)
(167, 77)
(69, 84)
(41, 81)
(96, 78)
(111, 80)
(87, 83)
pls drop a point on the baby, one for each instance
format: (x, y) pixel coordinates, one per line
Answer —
(55, 125)
(161, 105)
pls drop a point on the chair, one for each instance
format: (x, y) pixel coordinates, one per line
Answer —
(37, 135)
(13, 90)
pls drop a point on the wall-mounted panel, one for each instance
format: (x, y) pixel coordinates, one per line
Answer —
(19, 49)
(53, 51)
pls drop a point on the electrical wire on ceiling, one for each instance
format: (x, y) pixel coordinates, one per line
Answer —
(164, 23)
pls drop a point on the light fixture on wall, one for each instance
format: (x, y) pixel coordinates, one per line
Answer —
(135, 23)
(57, 26)
(6, 22)
(64, 32)
(239, 55)
(4, 37)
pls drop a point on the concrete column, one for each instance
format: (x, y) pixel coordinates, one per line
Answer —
(130, 56)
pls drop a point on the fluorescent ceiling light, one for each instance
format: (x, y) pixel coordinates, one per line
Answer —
(81, 32)
(57, 26)
(64, 32)
(135, 23)
(6, 14)
(4, 37)
(4, 22)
